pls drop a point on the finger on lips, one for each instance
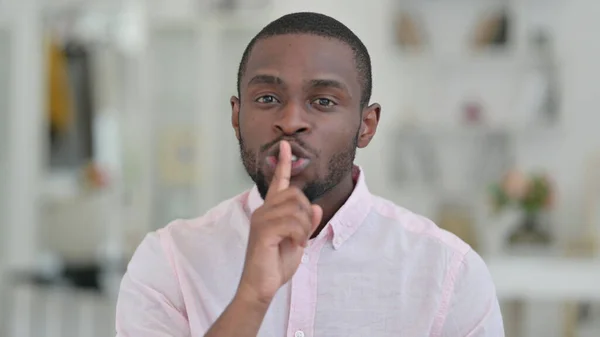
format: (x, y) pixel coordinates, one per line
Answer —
(289, 205)
(283, 171)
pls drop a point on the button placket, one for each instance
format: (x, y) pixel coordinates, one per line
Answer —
(304, 293)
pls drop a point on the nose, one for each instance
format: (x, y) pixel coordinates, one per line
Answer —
(291, 120)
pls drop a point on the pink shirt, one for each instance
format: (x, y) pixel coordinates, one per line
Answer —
(375, 270)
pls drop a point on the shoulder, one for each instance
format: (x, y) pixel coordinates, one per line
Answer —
(225, 222)
(421, 231)
(210, 222)
(463, 279)
(470, 305)
(441, 253)
(190, 237)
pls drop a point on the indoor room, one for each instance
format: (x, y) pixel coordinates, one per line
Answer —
(116, 120)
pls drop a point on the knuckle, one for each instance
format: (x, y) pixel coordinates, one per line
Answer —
(292, 218)
(301, 222)
(296, 217)
(301, 215)
(299, 232)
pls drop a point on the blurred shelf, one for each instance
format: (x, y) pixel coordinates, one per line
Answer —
(478, 131)
(243, 21)
(546, 278)
(488, 59)
(81, 7)
(61, 185)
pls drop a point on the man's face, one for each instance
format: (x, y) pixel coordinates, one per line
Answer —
(304, 89)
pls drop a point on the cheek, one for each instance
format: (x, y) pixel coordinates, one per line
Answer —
(341, 137)
(255, 133)
(336, 141)
(247, 128)
(255, 123)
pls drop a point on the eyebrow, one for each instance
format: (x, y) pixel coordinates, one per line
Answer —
(328, 84)
(266, 79)
(317, 83)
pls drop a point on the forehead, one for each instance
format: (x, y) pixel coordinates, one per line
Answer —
(296, 58)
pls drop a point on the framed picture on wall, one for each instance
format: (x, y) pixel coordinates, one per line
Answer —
(454, 27)
(492, 29)
(238, 5)
(593, 204)
(178, 156)
(587, 242)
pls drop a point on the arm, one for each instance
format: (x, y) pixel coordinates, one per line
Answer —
(242, 318)
(279, 231)
(149, 302)
(473, 309)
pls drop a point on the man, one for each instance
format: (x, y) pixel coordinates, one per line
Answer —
(308, 251)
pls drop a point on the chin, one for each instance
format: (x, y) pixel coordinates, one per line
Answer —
(296, 182)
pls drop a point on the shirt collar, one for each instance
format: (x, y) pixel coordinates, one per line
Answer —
(347, 219)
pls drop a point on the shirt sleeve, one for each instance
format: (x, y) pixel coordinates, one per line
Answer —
(473, 309)
(150, 302)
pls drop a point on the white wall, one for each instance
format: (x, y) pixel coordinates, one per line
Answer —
(25, 131)
(4, 52)
(4, 78)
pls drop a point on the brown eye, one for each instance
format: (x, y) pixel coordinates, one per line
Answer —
(267, 99)
(325, 102)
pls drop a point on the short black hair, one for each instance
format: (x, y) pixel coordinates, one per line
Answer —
(320, 25)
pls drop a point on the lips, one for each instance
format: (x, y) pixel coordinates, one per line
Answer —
(300, 159)
(297, 151)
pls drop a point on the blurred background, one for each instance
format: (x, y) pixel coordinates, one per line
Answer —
(115, 120)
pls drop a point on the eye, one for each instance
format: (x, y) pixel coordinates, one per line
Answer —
(324, 102)
(267, 99)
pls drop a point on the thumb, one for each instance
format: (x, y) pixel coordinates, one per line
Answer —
(317, 215)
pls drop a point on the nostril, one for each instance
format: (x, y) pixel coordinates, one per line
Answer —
(290, 131)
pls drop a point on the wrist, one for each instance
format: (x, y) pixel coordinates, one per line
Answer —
(251, 298)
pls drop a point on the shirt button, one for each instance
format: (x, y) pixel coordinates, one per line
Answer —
(299, 334)
(337, 241)
(305, 258)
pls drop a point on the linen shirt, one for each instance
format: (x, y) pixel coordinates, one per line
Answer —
(376, 269)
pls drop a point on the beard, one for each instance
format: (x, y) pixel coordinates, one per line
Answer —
(339, 165)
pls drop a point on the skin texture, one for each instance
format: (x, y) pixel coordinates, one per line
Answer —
(300, 91)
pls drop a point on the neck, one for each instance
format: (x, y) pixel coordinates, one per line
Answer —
(335, 198)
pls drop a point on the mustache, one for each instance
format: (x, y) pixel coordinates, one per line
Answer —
(296, 140)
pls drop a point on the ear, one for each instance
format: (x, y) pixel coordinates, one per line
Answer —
(235, 115)
(369, 122)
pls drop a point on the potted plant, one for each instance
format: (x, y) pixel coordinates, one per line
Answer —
(533, 196)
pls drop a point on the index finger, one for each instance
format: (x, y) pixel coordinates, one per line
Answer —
(281, 178)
